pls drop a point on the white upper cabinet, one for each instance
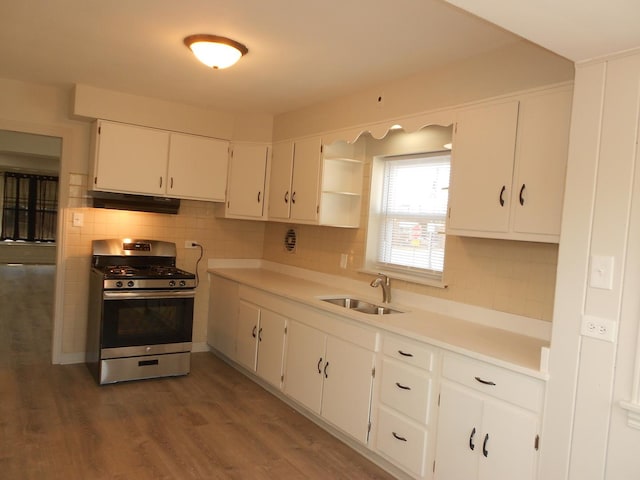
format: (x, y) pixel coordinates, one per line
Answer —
(295, 180)
(309, 186)
(508, 168)
(540, 169)
(246, 183)
(197, 167)
(305, 180)
(130, 159)
(280, 181)
(482, 168)
(148, 161)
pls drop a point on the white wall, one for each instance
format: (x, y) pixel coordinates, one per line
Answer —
(585, 435)
(518, 67)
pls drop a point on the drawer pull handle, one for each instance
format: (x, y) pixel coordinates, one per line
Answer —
(319, 363)
(286, 196)
(403, 387)
(485, 452)
(325, 370)
(146, 363)
(472, 445)
(253, 333)
(398, 437)
(405, 354)
(521, 192)
(485, 382)
(504, 187)
(260, 334)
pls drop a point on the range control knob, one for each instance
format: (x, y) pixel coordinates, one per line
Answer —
(172, 283)
(130, 283)
(118, 284)
(182, 283)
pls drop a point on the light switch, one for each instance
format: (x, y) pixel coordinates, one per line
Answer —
(77, 219)
(601, 275)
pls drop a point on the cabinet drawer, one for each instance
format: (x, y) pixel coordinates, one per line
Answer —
(413, 353)
(406, 389)
(404, 443)
(510, 386)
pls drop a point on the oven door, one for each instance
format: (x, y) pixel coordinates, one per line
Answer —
(146, 322)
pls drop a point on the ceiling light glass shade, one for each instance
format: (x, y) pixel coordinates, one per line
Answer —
(215, 52)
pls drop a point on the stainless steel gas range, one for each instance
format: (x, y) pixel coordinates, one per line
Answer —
(140, 311)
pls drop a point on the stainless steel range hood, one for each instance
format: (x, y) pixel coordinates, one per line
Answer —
(138, 203)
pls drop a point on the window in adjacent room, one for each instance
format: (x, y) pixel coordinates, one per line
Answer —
(29, 207)
(409, 196)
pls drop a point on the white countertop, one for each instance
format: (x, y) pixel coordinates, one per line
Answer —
(501, 347)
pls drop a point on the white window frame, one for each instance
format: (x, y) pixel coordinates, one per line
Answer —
(377, 215)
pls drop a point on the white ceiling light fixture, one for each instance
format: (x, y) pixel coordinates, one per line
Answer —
(214, 51)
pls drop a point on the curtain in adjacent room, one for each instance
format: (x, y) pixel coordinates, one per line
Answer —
(30, 207)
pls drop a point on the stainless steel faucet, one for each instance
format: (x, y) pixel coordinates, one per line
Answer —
(385, 282)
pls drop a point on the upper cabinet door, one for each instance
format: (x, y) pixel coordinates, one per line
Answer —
(280, 182)
(130, 159)
(197, 167)
(541, 160)
(482, 168)
(306, 180)
(246, 183)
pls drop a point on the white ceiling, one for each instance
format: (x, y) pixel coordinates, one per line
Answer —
(579, 30)
(300, 51)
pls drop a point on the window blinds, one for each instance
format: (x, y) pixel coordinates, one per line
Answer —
(415, 193)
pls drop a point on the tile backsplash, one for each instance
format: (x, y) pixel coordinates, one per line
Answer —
(509, 276)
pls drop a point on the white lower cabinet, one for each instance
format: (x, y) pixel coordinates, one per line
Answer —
(223, 315)
(432, 413)
(260, 341)
(488, 422)
(331, 377)
(406, 397)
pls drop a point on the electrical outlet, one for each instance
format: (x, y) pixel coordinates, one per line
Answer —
(600, 328)
(189, 244)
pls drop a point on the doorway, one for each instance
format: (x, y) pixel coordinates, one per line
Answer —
(27, 261)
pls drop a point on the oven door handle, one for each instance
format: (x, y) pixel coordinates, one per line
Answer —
(148, 294)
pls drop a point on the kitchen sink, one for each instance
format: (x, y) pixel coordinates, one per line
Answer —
(360, 306)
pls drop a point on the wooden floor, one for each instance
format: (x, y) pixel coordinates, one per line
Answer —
(56, 423)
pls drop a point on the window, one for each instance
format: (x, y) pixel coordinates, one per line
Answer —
(409, 198)
(30, 207)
